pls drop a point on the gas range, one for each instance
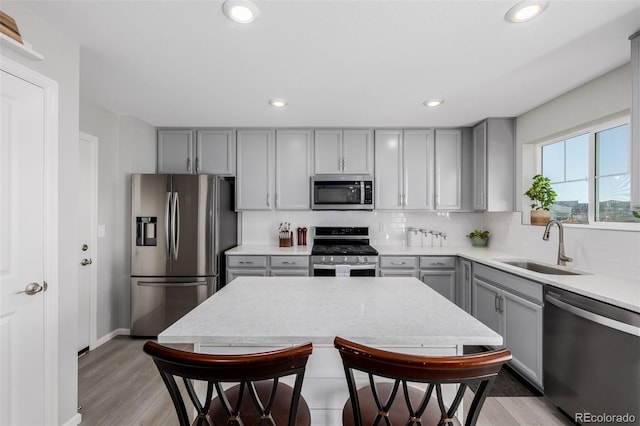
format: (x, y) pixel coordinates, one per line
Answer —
(343, 246)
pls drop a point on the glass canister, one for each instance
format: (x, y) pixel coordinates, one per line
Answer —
(414, 237)
(427, 238)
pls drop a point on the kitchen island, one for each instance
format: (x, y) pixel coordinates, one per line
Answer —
(254, 314)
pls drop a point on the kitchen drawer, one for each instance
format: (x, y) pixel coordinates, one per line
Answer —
(437, 262)
(246, 261)
(387, 262)
(290, 262)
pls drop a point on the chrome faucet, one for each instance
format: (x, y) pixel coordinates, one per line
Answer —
(561, 256)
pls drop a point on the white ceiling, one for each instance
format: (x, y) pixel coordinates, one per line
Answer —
(338, 63)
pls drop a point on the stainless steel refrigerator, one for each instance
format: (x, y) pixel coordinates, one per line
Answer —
(181, 225)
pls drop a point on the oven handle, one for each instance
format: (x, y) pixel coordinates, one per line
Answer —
(355, 267)
(599, 319)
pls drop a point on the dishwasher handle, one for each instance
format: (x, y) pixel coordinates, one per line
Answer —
(590, 316)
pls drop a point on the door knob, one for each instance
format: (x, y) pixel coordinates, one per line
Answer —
(32, 288)
(86, 262)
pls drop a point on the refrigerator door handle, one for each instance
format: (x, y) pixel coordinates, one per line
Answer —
(167, 209)
(172, 284)
(175, 225)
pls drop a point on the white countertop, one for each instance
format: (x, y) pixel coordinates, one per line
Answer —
(254, 311)
(270, 250)
(618, 291)
(609, 288)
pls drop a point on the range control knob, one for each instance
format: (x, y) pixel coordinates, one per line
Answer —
(344, 259)
(324, 259)
(366, 259)
(357, 259)
(331, 260)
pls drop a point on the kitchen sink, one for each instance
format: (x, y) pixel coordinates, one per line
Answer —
(540, 267)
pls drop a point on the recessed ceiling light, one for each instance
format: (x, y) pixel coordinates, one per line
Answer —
(525, 11)
(278, 103)
(240, 11)
(433, 102)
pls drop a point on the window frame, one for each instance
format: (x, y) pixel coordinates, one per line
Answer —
(591, 130)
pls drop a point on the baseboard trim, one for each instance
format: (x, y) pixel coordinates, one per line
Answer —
(74, 421)
(115, 333)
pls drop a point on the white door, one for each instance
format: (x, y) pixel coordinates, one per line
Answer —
(87, 228)
(22, 252)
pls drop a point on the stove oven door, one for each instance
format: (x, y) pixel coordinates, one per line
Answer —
(321, 270)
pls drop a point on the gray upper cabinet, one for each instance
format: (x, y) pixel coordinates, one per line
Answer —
(338, 151)
(448, 170)
(293, 169)
(404, 169)
(216, 151)
(635, 121)
(494, 165)
(255, 174)
(196, 151)
(175, 151)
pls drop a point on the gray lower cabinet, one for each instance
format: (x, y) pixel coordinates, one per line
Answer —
(439, 273)
(463, 293)
(398, 266)
(512, 306)
(246, 266)
(264, 266)
(289, 266)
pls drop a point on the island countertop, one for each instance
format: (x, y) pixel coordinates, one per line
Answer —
(258, 311)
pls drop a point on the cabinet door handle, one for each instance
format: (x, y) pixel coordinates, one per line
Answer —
(344, 164)
(189, 164)
(497, 303)
(268, 201)
(246, 262)
(437, 263)
(288, 263)
(397, 263)
(197, 164)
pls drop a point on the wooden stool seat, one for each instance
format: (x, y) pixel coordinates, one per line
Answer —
(389, 399)
(241, 390)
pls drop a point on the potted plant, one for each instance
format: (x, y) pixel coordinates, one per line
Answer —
(542, 197)
(479, 238)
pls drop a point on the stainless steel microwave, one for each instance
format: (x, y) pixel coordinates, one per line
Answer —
(342, 192)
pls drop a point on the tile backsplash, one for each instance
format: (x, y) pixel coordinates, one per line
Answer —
(612, 252)
(261, 227)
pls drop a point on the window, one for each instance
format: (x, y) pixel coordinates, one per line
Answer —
(589, 171)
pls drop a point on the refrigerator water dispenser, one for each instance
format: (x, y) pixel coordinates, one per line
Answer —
(146, 231)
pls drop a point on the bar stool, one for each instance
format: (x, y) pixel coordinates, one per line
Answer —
(390, 400)
(257, 396)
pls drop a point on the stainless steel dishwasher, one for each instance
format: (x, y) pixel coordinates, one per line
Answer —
(591, 358)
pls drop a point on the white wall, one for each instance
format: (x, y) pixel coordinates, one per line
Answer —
(125, 145)
(605, 251)
(61, 63)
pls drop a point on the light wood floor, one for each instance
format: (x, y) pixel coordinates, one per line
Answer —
(119, 385)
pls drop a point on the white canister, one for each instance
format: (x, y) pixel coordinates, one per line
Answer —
(427, 238)
(414, 237)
